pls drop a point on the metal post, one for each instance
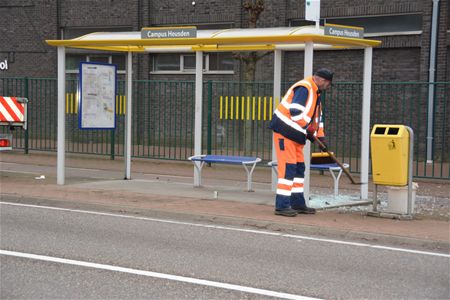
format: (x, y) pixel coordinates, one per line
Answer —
(113, 144)
(308, 71)
(61, 151)
(209, 150)
(127, 147)
(276, 95)
(198, 112)
(365, 126)
(410, 170)
(26, 146)
(431, 79)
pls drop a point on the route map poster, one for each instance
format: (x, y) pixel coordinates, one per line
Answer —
(98, 85)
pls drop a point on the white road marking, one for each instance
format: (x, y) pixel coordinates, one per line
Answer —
(192, 280)
(294, 236)
(11, 164)
(20, 172)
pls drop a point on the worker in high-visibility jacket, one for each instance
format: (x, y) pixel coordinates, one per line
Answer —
(296, 118)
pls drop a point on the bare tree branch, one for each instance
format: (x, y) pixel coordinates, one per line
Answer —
(254, 9)
(260, 56)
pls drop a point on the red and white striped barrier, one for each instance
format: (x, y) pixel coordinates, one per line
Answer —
(11, 110)
(13, 113)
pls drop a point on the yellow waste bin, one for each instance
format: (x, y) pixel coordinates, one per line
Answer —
(390, 154)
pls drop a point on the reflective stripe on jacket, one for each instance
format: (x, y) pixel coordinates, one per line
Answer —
(291, 119)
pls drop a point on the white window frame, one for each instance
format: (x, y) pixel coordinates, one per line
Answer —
(182, 56)
(181, 70)
(376, 34)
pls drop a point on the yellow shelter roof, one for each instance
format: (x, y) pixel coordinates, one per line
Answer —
(234, 39)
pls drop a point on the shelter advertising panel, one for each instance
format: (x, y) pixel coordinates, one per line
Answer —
(98, 86)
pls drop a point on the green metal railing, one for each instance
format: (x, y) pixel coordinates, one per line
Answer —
(235, 119)
(392, 103)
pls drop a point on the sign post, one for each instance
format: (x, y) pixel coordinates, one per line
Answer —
(312, 11)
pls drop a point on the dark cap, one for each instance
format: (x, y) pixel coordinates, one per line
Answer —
(325, 74)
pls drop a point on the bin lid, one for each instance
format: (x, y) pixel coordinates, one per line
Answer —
(389, 130)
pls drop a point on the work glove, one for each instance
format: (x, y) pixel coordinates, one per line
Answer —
(323, 148)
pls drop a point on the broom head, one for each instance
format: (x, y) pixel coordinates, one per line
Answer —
(319, 158)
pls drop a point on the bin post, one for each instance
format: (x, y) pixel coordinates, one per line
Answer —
(410, 169)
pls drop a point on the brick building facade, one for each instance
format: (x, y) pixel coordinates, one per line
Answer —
(403, 56)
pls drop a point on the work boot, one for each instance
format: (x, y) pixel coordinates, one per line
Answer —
(305, 210)
(287, 212)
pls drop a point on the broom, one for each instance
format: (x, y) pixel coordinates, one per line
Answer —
(330, 154)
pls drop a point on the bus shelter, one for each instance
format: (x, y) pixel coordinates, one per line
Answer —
(278, 39)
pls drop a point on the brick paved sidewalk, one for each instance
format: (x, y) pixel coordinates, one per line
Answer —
(165, 188)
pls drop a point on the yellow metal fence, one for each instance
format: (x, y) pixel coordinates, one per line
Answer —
(246, 108)
(72, 104)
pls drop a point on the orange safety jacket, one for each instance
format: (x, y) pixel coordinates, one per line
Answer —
(292, 119)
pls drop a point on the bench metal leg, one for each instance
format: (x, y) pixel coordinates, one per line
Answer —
(249, 176)
(336, 180)
(199, 165)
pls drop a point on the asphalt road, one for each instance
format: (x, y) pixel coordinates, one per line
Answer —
(63, 253)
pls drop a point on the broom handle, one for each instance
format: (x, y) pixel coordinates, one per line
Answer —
(337, 161)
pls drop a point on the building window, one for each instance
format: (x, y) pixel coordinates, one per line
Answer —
(403, 24)
(188, 62)
(74, 57)
(73, 61)
(221, 61)
(166, 62)
(184, 63)
(175, 63)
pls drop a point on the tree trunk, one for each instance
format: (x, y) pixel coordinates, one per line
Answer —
(254, 9)
(249, 78)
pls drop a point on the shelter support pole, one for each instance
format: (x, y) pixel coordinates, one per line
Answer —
(61, 145)
(198, 112)
(129, 93)
(276, 95)
(365, 126)
(308, 71)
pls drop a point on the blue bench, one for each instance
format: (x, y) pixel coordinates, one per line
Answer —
(334, 167)
(246, 161)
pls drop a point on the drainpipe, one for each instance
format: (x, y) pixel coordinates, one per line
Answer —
(431, 80)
